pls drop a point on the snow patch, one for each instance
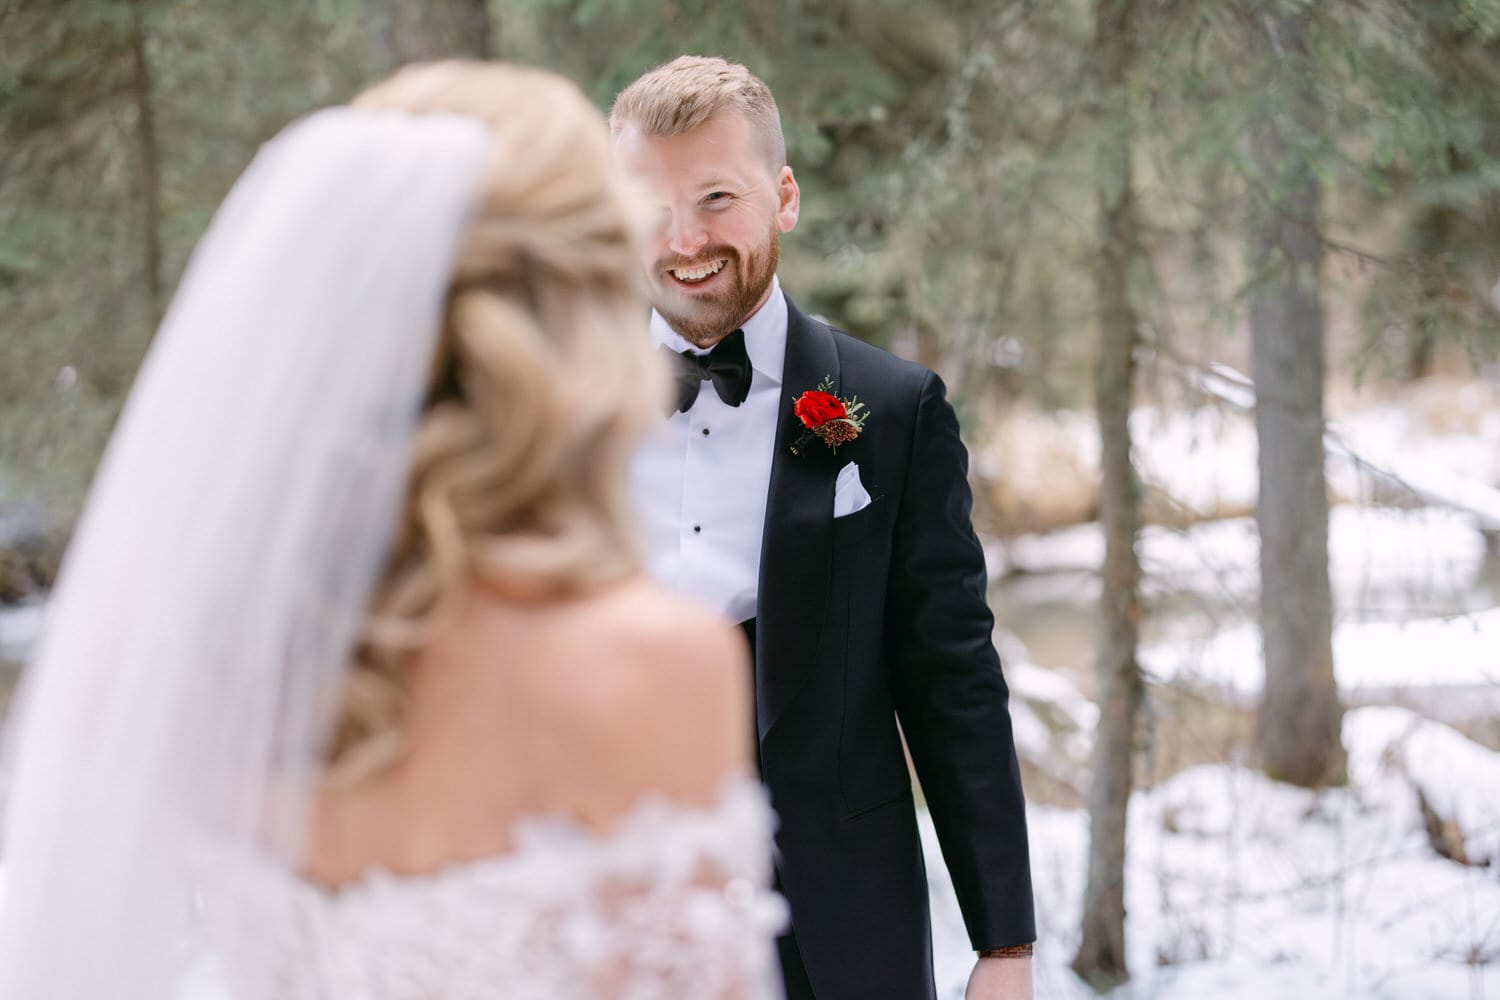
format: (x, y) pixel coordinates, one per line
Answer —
(1241, 888)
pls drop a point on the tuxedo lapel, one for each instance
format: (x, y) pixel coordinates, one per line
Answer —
(797, 542)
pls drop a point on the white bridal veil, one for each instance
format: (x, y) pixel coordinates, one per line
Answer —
(235, 527)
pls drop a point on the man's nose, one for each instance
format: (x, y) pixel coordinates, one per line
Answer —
(685, 235)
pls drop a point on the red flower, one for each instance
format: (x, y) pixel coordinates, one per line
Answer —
(815, 408)
(830, 419)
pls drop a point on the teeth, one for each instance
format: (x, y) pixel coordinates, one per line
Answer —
(698, 273)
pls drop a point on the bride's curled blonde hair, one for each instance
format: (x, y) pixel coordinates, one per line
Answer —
(541, 383)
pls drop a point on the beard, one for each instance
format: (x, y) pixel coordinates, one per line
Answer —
(704, 321)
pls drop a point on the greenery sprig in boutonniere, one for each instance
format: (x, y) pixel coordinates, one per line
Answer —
(825, 416)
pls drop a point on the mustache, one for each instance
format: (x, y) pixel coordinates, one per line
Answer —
(704, 257)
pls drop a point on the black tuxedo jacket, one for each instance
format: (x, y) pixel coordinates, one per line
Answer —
(862, 620)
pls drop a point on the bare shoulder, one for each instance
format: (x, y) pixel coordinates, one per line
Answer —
(670, 634)
(676, 706)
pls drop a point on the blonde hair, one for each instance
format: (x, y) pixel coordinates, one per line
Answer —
(543, 379)
(685, 93)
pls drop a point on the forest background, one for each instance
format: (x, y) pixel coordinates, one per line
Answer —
(951, 153)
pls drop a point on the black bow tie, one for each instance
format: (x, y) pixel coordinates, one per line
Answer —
(727, 365)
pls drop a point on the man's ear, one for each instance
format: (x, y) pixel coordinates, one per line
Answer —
(788, 200)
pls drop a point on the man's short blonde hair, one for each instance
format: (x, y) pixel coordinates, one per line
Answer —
(688, 91)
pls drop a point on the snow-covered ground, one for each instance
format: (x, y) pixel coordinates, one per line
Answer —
(1238, 887)
(1242, 889)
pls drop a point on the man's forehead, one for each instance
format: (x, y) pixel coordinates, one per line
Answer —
(716, 153)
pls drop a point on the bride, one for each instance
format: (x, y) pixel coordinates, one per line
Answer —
(351, 686)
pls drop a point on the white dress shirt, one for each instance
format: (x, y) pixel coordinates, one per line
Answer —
(700, 480)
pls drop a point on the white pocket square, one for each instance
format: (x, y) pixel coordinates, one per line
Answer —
(849, 494)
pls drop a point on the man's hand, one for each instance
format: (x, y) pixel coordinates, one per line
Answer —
(1000, 979)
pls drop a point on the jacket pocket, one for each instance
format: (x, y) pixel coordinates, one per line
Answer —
(861, 526)
(905, 795)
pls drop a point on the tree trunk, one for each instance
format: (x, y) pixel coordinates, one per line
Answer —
(403, 31)
(150, 162)
(1299, 722)
(1101, 951)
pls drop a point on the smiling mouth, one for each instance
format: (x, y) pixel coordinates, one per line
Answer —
(698, 274)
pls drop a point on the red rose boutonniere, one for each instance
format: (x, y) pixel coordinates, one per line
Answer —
(825, 416)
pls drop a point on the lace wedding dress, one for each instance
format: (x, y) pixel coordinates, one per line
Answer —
(671, 903)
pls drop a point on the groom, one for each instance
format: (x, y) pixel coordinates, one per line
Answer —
(839, 535)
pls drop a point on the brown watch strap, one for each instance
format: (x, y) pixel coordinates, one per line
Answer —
(1014, 951)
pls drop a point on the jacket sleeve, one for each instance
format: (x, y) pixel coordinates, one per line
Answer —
(950, 695)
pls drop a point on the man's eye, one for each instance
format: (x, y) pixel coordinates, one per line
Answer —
(717, 196)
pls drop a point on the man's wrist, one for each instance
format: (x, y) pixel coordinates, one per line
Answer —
(1012, 951)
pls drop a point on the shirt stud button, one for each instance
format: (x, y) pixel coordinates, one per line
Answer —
(705, 432)
(697, 528)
